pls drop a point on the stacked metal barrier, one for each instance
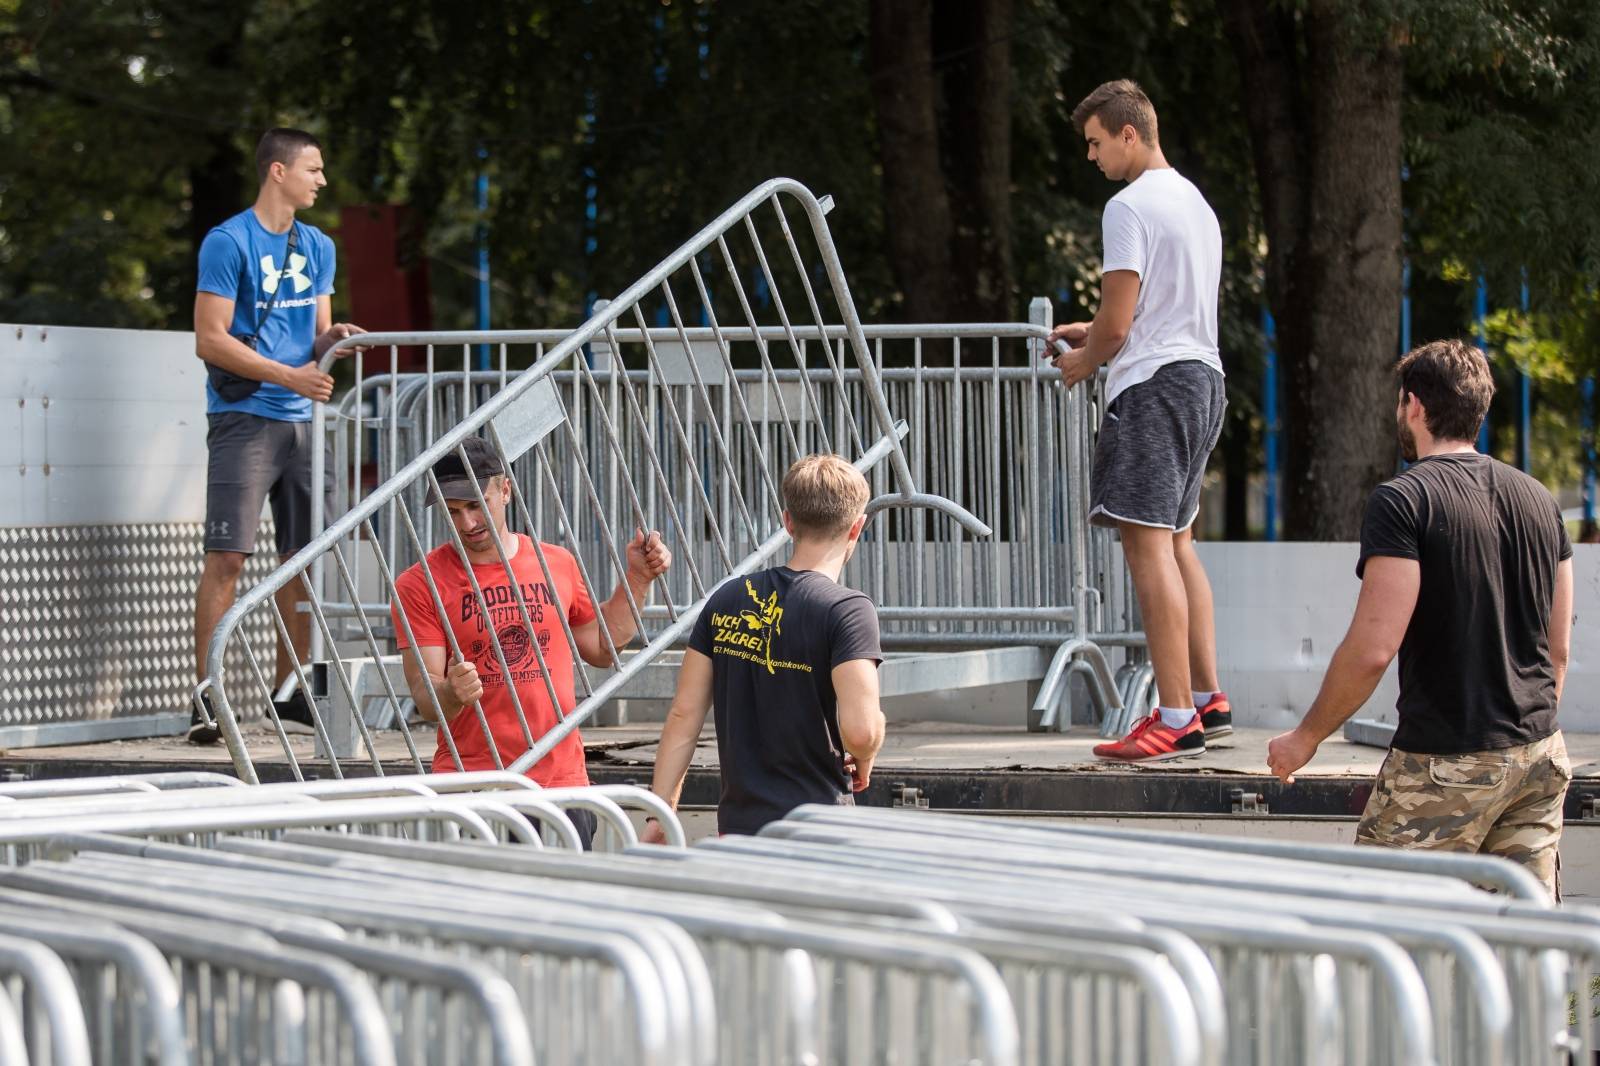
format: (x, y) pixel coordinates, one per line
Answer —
(356, 922)
(119, 957)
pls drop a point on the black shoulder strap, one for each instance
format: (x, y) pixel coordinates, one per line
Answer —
(283, 271)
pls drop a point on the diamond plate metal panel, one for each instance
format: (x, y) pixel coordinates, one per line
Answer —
(97, 624)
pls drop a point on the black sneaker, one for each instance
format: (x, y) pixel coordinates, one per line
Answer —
(1216, 717)
(201, 732)
(295, 713)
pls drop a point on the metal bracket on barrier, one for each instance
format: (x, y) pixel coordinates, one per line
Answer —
(338, 720)
(903, 795)
(1242, 802)
(528, 419)
(1589, 807)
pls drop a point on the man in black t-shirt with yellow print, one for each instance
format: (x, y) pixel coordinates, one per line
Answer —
(1466, 570)
(789, 659)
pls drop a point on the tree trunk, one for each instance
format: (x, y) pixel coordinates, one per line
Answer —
(1263, 36)
(916, 203)
(977, 98)
(1341, 394)
(215, 189)
(1326, 137)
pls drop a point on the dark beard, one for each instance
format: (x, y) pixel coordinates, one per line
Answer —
(1408, 442)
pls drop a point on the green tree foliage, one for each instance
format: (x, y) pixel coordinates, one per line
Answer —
(612, 129)
(105, 108)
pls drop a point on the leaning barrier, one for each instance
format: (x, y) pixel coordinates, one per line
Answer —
(152, 933)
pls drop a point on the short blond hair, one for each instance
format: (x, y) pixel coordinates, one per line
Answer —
(824, 495)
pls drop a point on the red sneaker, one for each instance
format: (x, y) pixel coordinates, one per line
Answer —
(1151, 741)
(1217, 717)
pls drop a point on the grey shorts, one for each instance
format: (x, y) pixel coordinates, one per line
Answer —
(251, 459)
(1151, 456)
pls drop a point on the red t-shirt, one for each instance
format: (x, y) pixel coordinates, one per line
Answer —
(565, 764)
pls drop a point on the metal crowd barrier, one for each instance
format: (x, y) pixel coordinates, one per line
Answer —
(1465, 976)
(989, 424)
(675, 470)
(1008, 450)
(836, 936)
(1018, 447)
(114, 950)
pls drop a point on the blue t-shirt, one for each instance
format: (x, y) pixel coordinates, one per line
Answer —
(241, 260)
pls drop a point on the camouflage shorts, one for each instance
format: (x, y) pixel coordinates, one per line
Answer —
(1505, 802)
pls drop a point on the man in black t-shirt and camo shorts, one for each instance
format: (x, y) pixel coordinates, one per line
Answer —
(1466, 571)
(789, 659)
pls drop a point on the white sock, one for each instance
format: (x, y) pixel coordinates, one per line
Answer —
(1202, 698)
(1176, 717)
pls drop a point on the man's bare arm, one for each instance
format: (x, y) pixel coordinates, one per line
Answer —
(647, 559)
(452, 688)
(1119, 297)
(1561, 624)
(681, 733)
(1383, 611)
(214, 344)
(1105, 336)
(861, 722)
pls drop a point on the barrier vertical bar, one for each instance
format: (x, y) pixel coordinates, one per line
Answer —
(483, 252)
(1588, 448)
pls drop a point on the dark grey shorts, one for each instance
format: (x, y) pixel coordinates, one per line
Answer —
(1151, 456)
(249, 460)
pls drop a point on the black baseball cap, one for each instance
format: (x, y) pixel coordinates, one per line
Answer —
(455, 483)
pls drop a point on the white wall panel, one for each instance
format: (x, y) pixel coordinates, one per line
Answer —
(100, 427)
(1282, 609)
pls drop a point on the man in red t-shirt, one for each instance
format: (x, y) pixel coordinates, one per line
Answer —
(461, 684)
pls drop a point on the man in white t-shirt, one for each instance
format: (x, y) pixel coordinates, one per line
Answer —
(1157, 328)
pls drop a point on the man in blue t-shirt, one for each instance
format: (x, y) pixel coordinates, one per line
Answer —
(262, 320)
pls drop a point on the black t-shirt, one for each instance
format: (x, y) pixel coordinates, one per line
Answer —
(774, 639)
(1475, 670)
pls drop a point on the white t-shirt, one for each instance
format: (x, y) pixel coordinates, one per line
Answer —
(1161, 228)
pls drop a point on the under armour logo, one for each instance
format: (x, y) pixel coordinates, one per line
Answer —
(269, 274)
(219, 529)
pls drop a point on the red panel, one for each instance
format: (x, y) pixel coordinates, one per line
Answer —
(388, 277)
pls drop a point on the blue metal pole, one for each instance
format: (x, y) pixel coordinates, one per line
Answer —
(591, 206)
(1269, 410)
(1480, 312)
(1405, 306)
(1588, 448)
(1524, 402)
(483, 253)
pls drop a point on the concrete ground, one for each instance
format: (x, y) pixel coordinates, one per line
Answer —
(968, 759)
(925, 746)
